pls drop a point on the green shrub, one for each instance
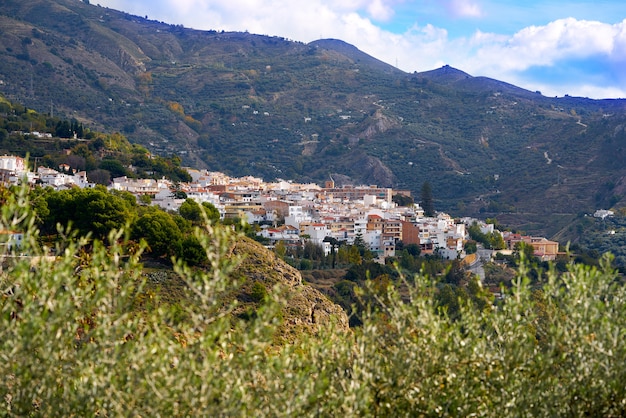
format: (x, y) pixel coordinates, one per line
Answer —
(71, 344)
(258, 292)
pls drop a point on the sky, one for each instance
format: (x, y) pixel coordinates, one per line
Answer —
(575, 48)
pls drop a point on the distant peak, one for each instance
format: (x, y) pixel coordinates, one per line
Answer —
(336, 44)
(445, 74)
(352, 52)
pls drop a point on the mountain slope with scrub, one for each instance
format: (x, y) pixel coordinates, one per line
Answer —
(271, 107)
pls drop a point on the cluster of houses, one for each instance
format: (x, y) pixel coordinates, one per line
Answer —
(14, 169)
(293, 212)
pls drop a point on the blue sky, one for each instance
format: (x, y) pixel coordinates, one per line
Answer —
(574, 47)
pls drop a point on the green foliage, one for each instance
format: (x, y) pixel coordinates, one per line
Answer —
(451, 298)
(498, 274)
(280, 249)
(455, 273)
(470, 247)
(191, 251)
(258, 292)
(75, 344)
(211, 212)
(190, 210)
(413, 249)
(114, 167)
(598, 236)
(402, 200)
(94, 211)
(523, 251)
(312, 251)
(359, 273)
(160, 232)
(426, 199)
(102, 155)
(491, 240)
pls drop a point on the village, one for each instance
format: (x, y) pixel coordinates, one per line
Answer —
(294, 213)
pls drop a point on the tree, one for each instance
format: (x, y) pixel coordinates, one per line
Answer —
(470, 247)
(212, 214)
(94, 211)
(407, 261)
(402, 200)
(413, 249)
(426, 199)
(87, 334)
(191, 251)
(160, 232)
(190, 210)
(334, 244)
(523, 251)
(455, 273)
(361, 246)
(313, 251)
(100, 176)
(75, 161)
(496, 240)
(63, 129)
(449, 300)
(82, 150)
(145, 199)
(114, 167)
(280, 249)
(354, 255)
(369, 270)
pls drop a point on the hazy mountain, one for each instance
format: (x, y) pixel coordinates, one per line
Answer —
(267, 106)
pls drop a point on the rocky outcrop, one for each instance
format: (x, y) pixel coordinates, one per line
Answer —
(378, 124)
(305, 309)
(372, 171)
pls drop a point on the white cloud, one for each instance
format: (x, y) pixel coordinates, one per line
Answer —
(463, 8)
(422, 47)
(555, 44)
(549, 44)
(380, 10)
(572, 88)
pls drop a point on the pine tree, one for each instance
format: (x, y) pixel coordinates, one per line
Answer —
(427, 199)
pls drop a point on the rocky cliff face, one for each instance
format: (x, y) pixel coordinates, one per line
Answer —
(304, 309)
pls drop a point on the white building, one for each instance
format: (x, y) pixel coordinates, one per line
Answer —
(373, 240)
(297, 215)
(13, 164)
(57, 180)
(140, 186)
(603, 213)
(316, 232)
(10, 240)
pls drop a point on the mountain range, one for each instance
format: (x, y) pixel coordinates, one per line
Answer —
(249, 104)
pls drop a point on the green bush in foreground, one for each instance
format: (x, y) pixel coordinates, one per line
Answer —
(73, 343)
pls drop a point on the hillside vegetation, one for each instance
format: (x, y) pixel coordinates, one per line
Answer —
(252, 104)
(88, 333)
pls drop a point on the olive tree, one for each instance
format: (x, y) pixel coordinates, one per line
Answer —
(80, 336)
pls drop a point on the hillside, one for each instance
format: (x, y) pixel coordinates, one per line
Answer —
(270, 107)
(304, 309)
